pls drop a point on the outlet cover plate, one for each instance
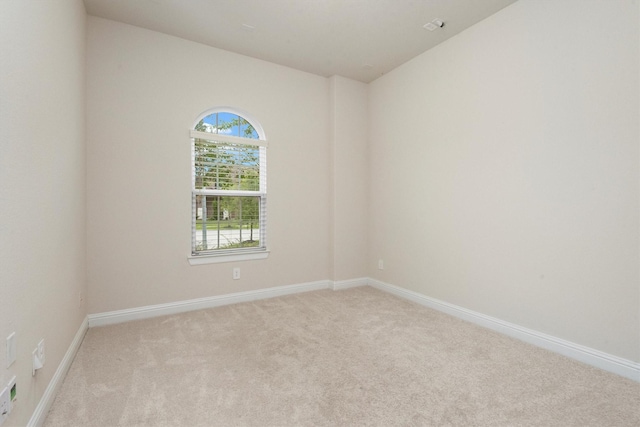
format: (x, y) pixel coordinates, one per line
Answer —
(41, 351)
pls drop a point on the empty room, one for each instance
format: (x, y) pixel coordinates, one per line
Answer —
(319, 212)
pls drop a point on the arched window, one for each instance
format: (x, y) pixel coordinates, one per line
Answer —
(229, 185)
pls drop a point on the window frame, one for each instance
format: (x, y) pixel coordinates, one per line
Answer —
(238, 254)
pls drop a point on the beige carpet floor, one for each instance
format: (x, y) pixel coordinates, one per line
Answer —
(347, 358)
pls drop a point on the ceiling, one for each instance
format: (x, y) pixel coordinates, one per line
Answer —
(358, 39)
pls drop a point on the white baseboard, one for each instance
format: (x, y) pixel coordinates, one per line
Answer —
(49, 395)
(590, 356)
(120, 316)
(599, 359)
(351, 283)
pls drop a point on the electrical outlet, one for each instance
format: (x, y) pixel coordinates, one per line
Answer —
(236, 273)
(380, 264)
(41, 351)
(36, 363)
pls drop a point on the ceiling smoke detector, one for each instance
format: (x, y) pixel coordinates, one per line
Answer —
(434, 25)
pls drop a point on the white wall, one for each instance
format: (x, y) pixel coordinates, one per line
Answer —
(349, 149)
(504, 171)
(42, 191)
(145, 91)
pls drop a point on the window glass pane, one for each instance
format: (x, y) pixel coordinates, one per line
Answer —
(228, 124)
(224, 166)
(225, 222)
(246, 130)
(208, 124)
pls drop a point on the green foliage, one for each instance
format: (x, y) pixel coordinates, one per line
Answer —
(243, 244)
(232, 245)
(220, 165)
(220, 125)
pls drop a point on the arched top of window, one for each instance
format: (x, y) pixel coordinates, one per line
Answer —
(227, 121)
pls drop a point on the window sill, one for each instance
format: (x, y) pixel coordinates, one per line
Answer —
(215, 259)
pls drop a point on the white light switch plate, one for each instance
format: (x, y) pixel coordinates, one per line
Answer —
(11, 349)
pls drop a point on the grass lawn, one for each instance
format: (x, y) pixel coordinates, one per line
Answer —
(225, 225)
